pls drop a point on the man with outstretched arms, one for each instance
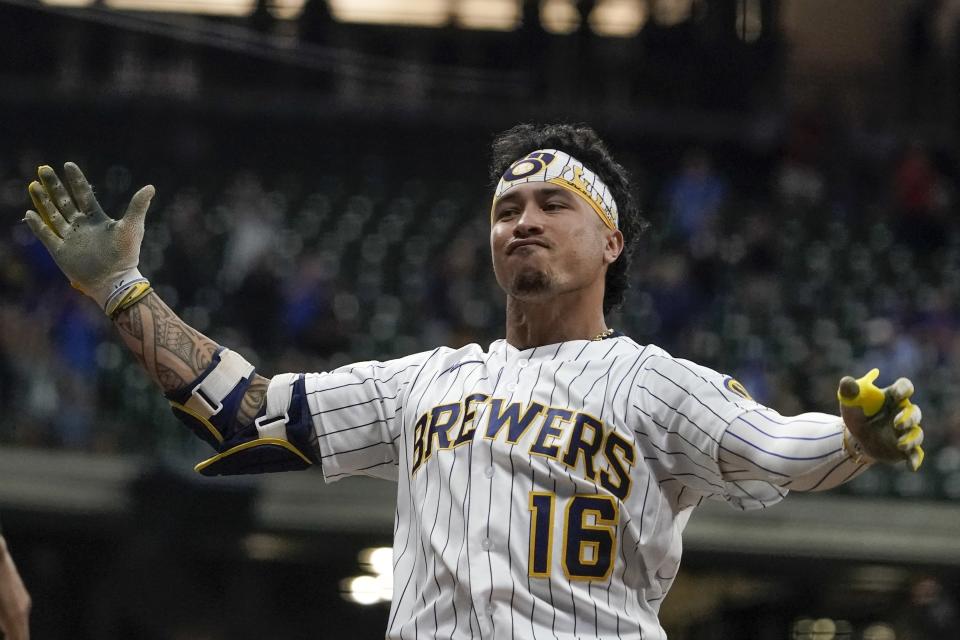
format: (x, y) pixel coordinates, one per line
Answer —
(543, 481)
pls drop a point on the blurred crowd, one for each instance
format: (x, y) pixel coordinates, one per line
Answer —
(835, 252)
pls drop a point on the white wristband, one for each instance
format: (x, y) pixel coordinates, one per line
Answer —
(110, 296)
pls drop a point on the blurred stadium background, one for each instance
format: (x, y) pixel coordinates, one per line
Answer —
(321, 170)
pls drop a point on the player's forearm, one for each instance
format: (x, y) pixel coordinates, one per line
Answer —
(801, 453)
(173, 353)
(219, 396)
(14, 599)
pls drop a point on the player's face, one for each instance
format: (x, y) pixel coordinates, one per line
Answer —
(547, 241)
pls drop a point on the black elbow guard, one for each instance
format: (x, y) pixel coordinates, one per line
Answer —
(209, 404)
(280, 438)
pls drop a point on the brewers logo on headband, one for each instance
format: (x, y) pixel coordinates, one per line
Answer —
(563, 170)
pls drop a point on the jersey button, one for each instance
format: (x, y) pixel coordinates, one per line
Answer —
(488, 472)
(490, 609)
(511, 386)
(522, 362)
(485, 544)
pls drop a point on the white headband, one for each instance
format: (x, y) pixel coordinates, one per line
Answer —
(563, 170)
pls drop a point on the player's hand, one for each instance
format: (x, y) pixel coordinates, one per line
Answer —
(97, 253)
(14, 599)
(884, 424)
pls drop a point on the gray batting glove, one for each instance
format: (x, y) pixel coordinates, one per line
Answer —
(97, 253)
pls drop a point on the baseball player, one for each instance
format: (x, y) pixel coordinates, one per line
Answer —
(14, 599)
(544, 481)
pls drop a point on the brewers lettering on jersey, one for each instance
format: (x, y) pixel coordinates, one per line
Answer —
(543, 481)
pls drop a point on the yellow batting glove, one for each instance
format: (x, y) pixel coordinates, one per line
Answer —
(881, 424)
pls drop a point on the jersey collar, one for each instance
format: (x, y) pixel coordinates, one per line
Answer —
(568, 350)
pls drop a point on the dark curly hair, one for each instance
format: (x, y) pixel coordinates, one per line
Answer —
(583, 143)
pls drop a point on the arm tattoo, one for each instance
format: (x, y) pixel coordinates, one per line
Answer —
(175, 340)
(174, 353)
(253, 399)
(129, 322)
(168, 378)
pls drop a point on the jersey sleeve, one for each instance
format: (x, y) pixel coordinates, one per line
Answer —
(682, 411)
(357, 413)
(802, 453)
(702, 428)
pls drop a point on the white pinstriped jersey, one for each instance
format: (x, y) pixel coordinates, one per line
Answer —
(542, 493)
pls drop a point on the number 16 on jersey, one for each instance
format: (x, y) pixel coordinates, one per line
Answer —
(588, 530)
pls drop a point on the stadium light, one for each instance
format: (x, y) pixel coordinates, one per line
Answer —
(429, 13)
(420, 13)
(618, 18)
(232, 8)
(371, 589)
(494, 15)
(366, 590)
(668, 13)
(559, 16)
(879, 631)
(379, 559)
(287, 9)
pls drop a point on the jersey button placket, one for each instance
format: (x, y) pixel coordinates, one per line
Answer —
(480, 530)
(487, 626)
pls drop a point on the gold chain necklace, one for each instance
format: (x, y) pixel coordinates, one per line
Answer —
(602, 335)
